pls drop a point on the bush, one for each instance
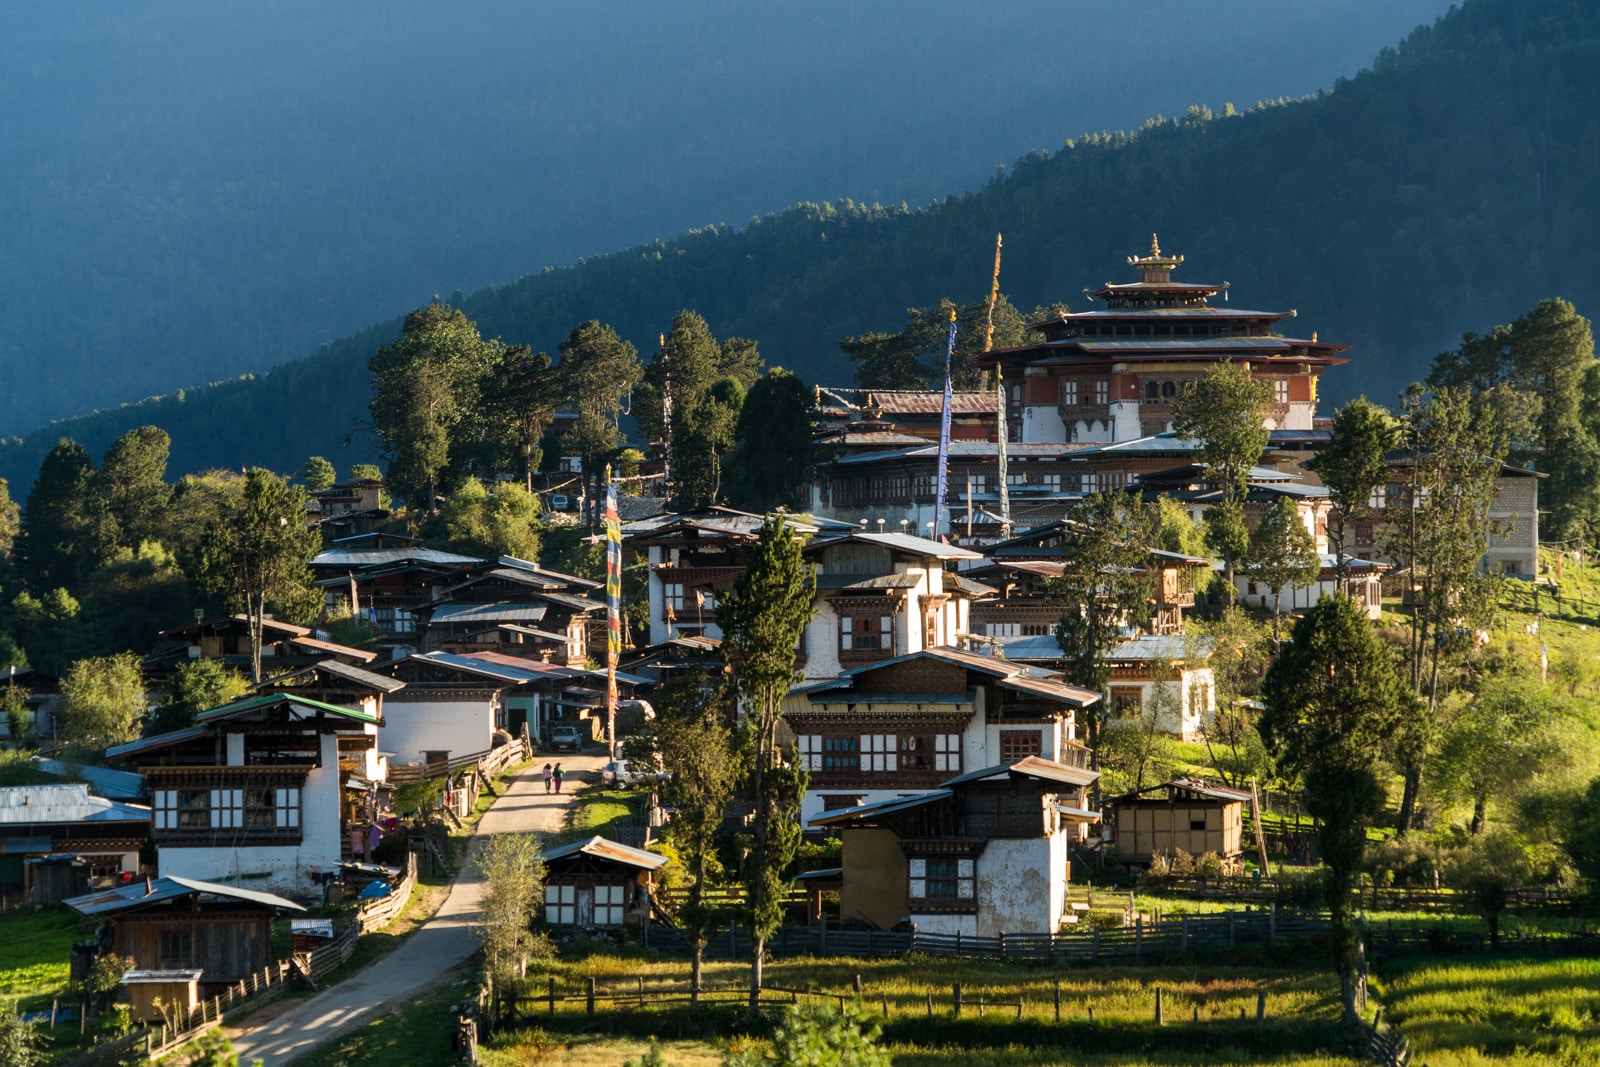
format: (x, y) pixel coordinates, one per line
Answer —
(1410, 862)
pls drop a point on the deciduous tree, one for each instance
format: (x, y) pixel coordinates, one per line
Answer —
(1282, 553)
(1354, 466)
(1105, 584)
(513, 881)
(102, 701)
(479, 520)
(256, 556)
(1225, 411)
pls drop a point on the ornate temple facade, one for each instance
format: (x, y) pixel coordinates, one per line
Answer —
(1110, 374)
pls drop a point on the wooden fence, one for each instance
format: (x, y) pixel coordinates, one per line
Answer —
(1264, 891)
(490, 761)
(371, 915)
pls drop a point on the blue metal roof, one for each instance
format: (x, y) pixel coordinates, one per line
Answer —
(167, 887)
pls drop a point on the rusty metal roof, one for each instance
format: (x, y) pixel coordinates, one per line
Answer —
(168, 887)
(930, 402)
(601, 848)
(1031, 767)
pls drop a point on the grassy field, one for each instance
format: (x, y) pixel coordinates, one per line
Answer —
(595, 809)
(36, 947)
(1467, 1013)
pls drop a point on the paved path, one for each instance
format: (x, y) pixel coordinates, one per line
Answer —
(443, 942)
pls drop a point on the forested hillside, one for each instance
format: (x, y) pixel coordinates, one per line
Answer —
(1449, 187)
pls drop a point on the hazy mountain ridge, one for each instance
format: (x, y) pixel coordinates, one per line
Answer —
(1443, 190)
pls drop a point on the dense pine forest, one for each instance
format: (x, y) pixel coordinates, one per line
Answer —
(1442, 190)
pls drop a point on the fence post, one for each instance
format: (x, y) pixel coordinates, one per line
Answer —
(1261, 1007)
(641, 991)
(1230, 929)
(885, 1006)
(1138, 936)
(1272, 921)
(930, 1003)
(1183, 940)
(1058, 1000)
(588, 1005)
(1002, 944)
(958, 944)
(733, 939)
(859, 990)
(1158, 1005)
(955, 997)
(1096, 942)
(552, 996)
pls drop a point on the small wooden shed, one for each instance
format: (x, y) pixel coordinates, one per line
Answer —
(177, 991)
(1185, 814)
(598, 883)
(170, 923)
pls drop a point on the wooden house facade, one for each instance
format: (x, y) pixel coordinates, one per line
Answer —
(598, 884)
(1184, 814)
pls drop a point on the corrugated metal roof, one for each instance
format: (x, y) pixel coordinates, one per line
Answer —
(601, 848)
(500, 611)
(378, 682)
(155, 741)
(1162, 646)
(1070, 694)
(875, 582)
(116, 785)
(509, 675)
(1208, 345)
(930, 403)
(916, 546)
(880, 808)
(21, 805)
(546, 635)
(378, 557)
(318, 645)
(168, 887)
(265, 700)
(1031, 767)
(1037, 647)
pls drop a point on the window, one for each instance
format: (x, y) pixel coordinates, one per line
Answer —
(287, 805)
(1088, 483)
(194, 811)
(1069, 394)
(916, 752)
(810, 748)
(1127, 701)
(1016, 479)
(841, 753)
(942, 880)
(560, 905)
(980, 483)
(175, 950)
(1002, 629)
(1152, 390)
(609, 902)
(1015, 744)
(1169, 389)
(1364, 534)
(1102, 391)
(672, 593)
(227, 808)
(1280, 390)
(947, 752)
(1051, 482)
(879, 752)
(260, 809)
(840, 801)
(864, 632)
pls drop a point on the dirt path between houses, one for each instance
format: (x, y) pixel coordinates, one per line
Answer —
(441, 944)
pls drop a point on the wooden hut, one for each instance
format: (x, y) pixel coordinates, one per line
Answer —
(597, 883)
(1185, 814)
(169, 923)
(178, 991)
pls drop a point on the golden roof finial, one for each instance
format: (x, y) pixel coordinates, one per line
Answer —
(1155, 246)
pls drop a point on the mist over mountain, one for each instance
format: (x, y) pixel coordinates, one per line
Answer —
(195, 190)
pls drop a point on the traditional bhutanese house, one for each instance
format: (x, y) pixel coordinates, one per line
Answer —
(1021, 567)
(673, 658)
(1192, 486)
(1511, 529)
(1111, 374)
(255, 789)
(451, 705)
(1184, 814)
(909, 723)
(348, 509)
(64, 819)
(882, 595)
(176, 923)
(43, 691)
(284, 646)
(1364, 586)
(983, 854)
(539, 612)
(1140, 666)
(695, 557)
(598, 883)
(382, 579)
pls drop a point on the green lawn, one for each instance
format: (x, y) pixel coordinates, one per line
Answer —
(36, 948)
(595, 809)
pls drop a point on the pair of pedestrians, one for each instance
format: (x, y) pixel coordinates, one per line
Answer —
(552, 776)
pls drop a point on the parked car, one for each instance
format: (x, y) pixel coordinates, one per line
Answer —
(620, 772)
(565, 738)
(561, 502)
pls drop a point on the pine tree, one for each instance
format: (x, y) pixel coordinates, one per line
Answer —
(1282, 553)
(1354, 466)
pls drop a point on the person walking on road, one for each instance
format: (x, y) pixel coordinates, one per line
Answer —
(547, 777)
(557, 775)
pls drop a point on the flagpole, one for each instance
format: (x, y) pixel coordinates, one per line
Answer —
(1001, 433)
(613, 607)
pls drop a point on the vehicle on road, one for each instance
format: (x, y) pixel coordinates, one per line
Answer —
(565, 738)
(621, 772)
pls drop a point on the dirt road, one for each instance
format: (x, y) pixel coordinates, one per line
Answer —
(443, 942)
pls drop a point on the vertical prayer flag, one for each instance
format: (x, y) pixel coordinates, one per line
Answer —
(943, 487)
(613, 604)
